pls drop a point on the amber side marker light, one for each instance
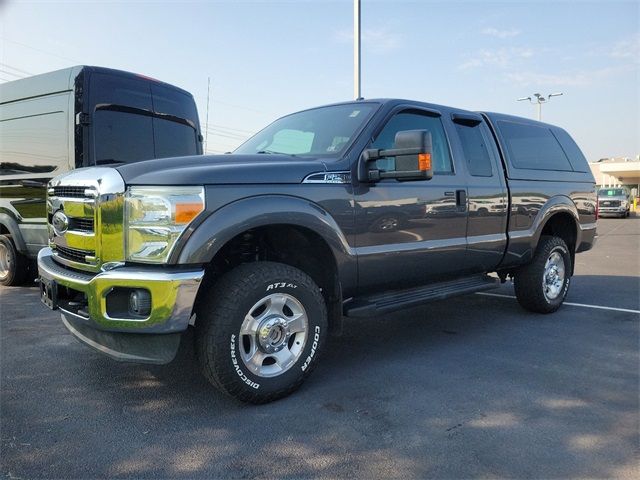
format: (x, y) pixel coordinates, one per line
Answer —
(185, 212)
(424, 161)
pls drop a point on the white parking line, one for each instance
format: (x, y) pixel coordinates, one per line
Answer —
(584, 305)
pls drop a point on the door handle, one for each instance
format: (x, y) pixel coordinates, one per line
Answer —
(461, 199)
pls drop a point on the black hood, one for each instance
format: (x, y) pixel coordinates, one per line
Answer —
(220, 169)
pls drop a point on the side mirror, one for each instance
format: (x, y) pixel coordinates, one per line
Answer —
(412, 155)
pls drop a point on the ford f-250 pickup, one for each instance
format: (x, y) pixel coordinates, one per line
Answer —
(347, 210)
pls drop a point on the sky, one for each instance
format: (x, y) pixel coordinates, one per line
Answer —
(269, 58)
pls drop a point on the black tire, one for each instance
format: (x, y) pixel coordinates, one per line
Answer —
(220, 313)
(528, 281)
(14, 267)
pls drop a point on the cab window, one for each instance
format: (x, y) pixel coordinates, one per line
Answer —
(475, 149)
(413, 120)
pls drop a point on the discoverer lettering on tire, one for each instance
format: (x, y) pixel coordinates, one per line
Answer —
(239, 371)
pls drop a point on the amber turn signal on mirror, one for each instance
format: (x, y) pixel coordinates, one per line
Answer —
(424, 161)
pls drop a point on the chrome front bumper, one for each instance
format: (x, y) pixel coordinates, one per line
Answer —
(173, 293)
(612, 210)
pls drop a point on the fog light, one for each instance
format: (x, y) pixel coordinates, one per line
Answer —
(140, 302)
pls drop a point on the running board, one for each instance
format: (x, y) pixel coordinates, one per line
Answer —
(400, 299)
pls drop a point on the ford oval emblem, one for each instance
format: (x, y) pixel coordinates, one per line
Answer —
(59, 222)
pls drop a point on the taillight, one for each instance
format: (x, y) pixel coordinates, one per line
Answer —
(597, 208)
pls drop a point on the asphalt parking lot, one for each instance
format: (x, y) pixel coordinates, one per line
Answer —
(472, 387)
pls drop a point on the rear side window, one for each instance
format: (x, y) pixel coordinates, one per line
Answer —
(533, 147)
(411, 120)
(474, 147)
(571, 149)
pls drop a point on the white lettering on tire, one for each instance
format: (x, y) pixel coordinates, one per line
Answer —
(239, 371)
(314, 346)
(281, 285)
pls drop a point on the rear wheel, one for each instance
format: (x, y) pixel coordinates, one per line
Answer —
(14, 266)
(542, 285)
(259, 331)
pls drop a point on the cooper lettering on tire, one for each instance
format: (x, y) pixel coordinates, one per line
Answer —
(273, 317)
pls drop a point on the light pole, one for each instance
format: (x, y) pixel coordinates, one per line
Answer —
(539, 100)
(356, 50)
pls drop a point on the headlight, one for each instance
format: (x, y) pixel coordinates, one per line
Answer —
(155, 219)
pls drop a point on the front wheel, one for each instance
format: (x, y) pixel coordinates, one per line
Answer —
(542, 285)
(260, 330)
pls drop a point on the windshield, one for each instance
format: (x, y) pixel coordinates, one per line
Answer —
(611, 192)
(324, 131)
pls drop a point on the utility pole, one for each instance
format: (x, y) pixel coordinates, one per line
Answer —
(539, 101)
(357, 90)
(206, 125)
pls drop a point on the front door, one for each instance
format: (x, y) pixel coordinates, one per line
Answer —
(411, 233)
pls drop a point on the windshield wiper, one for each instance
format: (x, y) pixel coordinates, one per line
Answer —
(271, 152)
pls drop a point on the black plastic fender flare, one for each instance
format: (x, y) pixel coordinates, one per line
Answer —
(10, 224)
(222, 225)
(556, 204)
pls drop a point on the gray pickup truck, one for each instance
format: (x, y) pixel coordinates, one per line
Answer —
(349, 210)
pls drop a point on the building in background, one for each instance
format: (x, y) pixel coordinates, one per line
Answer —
(613, 172)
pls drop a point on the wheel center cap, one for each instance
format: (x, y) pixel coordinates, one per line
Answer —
(273, 334)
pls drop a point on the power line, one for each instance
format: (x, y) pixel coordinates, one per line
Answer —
(237, 133)
(7, 72)
(234, 129)
(39, 50)
(233, 105)
(19, 70)
(228, 134)
(222, 134)
(225, 134)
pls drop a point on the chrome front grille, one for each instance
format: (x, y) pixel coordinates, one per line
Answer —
(71, 191)
(75, 254)
(609, 203)
(81, 224)
(85, 212)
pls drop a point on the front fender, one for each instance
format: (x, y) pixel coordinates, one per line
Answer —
(237, 217)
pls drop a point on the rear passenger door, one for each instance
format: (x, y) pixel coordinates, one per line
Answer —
(411, 233)
(487, 192)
